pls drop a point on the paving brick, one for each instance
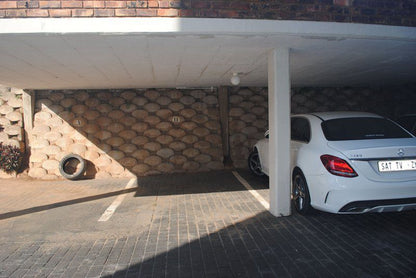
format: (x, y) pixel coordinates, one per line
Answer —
(217, 229)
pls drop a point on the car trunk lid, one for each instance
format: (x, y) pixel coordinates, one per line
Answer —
(376, 149)
(365, 156)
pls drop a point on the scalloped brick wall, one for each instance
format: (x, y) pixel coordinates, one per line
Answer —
(127, 131)
(145, 132)
(11, 117)
(11, 120)
(248, 120)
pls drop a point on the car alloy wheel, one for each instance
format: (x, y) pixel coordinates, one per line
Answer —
(300, 194)
(254, 163)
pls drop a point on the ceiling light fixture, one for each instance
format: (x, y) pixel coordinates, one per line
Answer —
(235, 79)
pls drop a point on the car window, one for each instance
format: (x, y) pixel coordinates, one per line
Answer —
(300, 129)
(362, 128)
(408, 122)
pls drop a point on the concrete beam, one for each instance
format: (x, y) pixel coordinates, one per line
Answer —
(279, 126)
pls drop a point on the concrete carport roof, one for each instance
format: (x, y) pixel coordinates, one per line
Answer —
(75, 53)
(96, 53)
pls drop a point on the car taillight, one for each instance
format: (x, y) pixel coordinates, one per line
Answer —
(338, 166)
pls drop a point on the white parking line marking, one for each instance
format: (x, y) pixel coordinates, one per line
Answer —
(112, 208)
(250, 189)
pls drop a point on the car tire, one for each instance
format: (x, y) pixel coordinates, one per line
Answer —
(254, 163)
(300, 194)
(79, 169)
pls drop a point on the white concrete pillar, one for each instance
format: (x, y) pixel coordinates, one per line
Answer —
(28, 109)
(279, 125)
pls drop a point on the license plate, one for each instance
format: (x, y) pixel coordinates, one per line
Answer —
(397, 165)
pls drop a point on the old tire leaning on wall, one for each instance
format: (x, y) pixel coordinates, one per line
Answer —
(72, 166)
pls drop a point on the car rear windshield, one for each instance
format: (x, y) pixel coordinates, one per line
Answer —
(362, 128)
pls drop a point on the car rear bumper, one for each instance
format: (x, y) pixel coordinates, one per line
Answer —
(350, 195)
(392, 205)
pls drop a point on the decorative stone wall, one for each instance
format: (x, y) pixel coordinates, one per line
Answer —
(127, 131)
(248, 120)
(145, 132)
(390, 12)
(390, 102)
(11, 121)
(11, 117)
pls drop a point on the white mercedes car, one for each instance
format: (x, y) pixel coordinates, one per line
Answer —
(347, 162)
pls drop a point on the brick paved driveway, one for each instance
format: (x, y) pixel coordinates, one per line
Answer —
(194, 225)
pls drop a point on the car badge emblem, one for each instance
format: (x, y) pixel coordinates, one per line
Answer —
(400, 152)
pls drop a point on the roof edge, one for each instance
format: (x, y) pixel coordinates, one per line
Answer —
(217, 26)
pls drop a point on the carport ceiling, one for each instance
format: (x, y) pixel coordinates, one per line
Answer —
(143, 53)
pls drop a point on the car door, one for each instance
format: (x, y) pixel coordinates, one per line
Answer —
(300, 134)
(263, 148)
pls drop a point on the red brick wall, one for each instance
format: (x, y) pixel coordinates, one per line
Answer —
(389, 12)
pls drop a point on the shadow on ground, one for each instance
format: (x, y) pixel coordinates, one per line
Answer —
(321, 245)
(64, 203)
(162, 185)
(208, 225)
(194, 183)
